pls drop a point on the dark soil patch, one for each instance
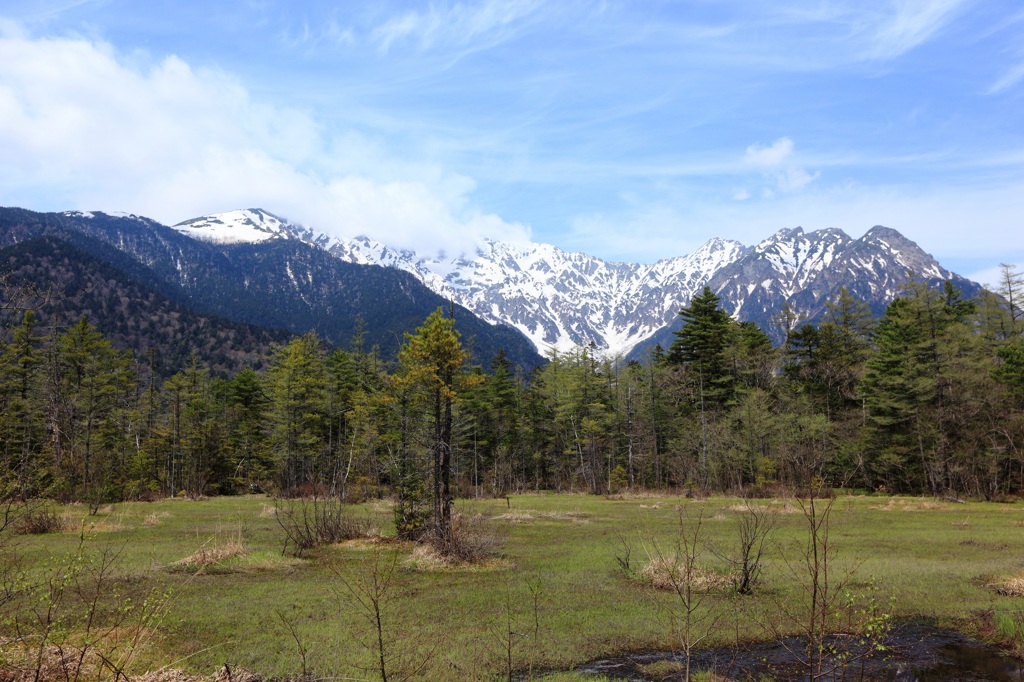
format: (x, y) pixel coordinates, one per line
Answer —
(913, 652)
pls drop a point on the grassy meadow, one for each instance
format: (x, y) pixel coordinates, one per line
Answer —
(223, 592)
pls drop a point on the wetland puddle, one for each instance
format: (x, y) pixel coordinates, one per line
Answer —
(914, 653)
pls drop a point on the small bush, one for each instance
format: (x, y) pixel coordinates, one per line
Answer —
(41, 521)
(310, 523)
(469, 541)
(664, 574)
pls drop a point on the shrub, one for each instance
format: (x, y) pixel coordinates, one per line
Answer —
(310, 523)
(668, 574)
(40, 521)
(470, 540)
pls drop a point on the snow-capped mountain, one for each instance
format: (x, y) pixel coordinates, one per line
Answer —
(806, 269)
(247, 226)
(561, 299)
(281, 284)
(556, 298)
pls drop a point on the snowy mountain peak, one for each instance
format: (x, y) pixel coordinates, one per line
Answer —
(247, 225)
(561, 299)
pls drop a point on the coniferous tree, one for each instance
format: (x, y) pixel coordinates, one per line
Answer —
(433, 359)
(702, 346)
(90, 384)
(298, 413)
(21, 417)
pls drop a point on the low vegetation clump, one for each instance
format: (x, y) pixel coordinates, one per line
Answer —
(313, 522)
(668, 574)
(1010, 587)
(663, 670)
(211, 559)
(40, 521)
(469, 540)
(155, 519)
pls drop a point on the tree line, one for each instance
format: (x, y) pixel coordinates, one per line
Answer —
(927, 399)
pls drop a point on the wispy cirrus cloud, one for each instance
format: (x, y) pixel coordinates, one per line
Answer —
(1012, 76)
(453, 25)
(906, 24)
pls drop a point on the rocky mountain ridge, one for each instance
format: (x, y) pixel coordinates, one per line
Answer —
(561, 299)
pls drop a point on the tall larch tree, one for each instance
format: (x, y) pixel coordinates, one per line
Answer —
(433, 360)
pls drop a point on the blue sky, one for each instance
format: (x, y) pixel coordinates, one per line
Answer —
(629, 130)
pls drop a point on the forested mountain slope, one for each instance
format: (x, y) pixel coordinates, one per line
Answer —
(290, 285)
(160, 332)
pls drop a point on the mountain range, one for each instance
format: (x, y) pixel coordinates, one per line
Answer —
(251, 267)
(561, 300)
(285, 285)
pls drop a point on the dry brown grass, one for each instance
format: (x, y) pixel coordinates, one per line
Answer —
(895, 504)
(208, 557)
(637, 494)
(383, 506)
(372, 542)
(515, 517)
(426, 558)
(225, 674)
(1010, 587)
(528, 515)
(102, 526)
(574, 516)
(155, 519)
(667, 574)
(94, 659)
(773, 507)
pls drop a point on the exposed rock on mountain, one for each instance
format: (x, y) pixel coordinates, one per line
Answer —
(560, 299)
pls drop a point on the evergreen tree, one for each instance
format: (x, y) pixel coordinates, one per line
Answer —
(702, 346)
(90, 388)
(21, 418)
(298, 413)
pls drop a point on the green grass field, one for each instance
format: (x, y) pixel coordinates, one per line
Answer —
(556, 585)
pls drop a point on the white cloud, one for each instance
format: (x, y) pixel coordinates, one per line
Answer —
(776, 161)
(81, 129)
(759, 155)
(992, 277)
(741, 194)
(911, 23)
(792, 179)
(456, 24)
(1012, 76)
